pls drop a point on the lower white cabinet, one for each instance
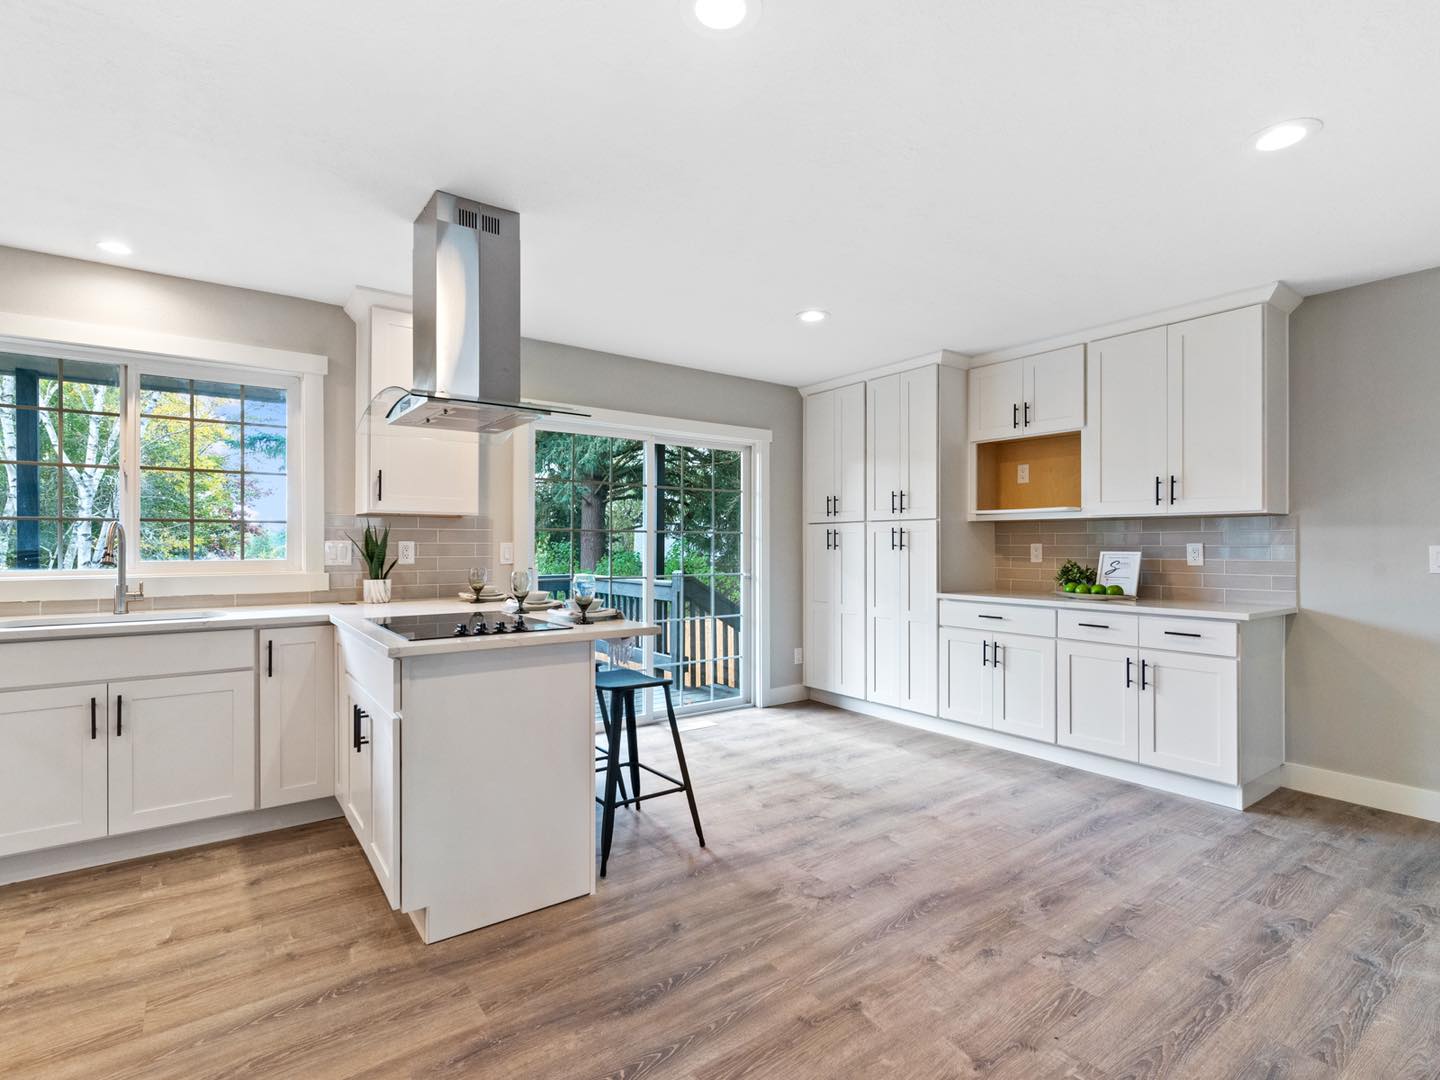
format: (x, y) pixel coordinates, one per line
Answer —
(52, 770)
(297, 702)
(835, 608)
(369, 783)
(181, 748)
(1190, 714)
(1098, 698)
(1000, 681)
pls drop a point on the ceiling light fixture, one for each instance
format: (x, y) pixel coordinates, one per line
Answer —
(1286, 133)
(812, 315)
(114, 247)
(725, 14)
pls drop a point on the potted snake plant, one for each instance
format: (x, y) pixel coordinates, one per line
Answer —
(373, 548)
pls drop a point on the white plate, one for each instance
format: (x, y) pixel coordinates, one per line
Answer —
(597, 615)
(485, 598)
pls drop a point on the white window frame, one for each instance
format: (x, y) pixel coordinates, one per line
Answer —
(138, 351)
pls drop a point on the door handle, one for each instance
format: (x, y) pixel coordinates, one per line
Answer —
(892, 539)
(902, 539)
(1172, 490)
(1027, 414)
(1015, 416)
(270, 659)
(359, 739)
(119, 715)
(1157, 491)
(1128, 662)
(892, 502)
(94, 732)
(1143, 665)
(902, 502)
(984, 653)
(379, 485)
(995, 653)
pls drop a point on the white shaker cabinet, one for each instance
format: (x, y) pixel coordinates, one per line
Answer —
(900, 645)
(181, 748)
(1032, 395)
(1098, 698)
(835, 608)
(52, 771)
(369, 782)
(297, 704)
(964, 662)
(902, 444)
(1000, 681)
(1126, 444)
(1190, 714)
(835, 455)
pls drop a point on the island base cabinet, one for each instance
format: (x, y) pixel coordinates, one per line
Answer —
(369, 784)
(1098, 698)
(52, 770)
(1190, 714)
(181, 749)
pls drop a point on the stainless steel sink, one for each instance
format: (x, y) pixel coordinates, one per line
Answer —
(106, 619)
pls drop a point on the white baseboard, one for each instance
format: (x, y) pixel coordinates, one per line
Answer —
(786, 695)
(1363, 790)
(113, 849)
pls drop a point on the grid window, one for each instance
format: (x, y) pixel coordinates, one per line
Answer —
(213, 482)
(59, 460)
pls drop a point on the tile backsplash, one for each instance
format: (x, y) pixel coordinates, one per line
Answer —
(1247, 559)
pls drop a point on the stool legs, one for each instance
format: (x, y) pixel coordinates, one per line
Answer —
(612, 776)
(634, 746)
(684, 770)
(605, 715)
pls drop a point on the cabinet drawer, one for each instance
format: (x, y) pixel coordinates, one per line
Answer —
(123, 656)
(1001, 618)
(1113, 627)
(1190, 635)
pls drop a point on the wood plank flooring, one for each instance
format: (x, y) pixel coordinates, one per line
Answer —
(875, 902)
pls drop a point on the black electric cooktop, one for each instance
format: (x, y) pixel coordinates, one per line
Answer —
(489, 624)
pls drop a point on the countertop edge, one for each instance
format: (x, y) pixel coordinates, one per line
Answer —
(1176, 608)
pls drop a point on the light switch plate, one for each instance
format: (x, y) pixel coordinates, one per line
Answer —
(1022, 474)
(507, 554)
(1435, 558)
(1194, 554)
(337, 553)
(1037, 552)
(406, 553)
(799, 656)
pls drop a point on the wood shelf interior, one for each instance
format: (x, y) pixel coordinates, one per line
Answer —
(1054, 462)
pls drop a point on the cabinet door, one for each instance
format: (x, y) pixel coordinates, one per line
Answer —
(820, 456)
(1125, 454)
(848, 650)
(996, 393)
(1217, 414)
(1098, 698)
(297, 709)
(884, 582)
(965, 682)
(1024, 685)
(181, 749)
(383, 842)
(919, 426)
(884, 444)
(849, 453)
(52, 770)
(357, 787)
(918, 684)
(821, 608)
(1054, 391)
(1190, 714)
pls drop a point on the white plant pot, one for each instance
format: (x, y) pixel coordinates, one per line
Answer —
(377, 592)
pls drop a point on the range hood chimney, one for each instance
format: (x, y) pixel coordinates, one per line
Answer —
(466, 367)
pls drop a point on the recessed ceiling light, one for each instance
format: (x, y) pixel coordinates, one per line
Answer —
(725, 14)
(812, 315)
(1286, 133)
(114, 247)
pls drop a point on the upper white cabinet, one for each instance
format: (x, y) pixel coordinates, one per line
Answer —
(902, 414)
(1032, 395)
(404, 470)
(901, 625)
(52, 773)
(297, 704)
(835, 608)
(835, 455)
(1189, 418)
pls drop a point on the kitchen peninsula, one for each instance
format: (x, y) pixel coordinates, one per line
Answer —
(464, 764)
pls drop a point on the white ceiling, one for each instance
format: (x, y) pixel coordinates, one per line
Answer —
(934, 172)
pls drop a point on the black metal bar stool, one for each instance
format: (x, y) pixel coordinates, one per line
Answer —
(622, 684)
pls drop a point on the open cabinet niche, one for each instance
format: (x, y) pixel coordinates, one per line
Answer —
(1053, 481)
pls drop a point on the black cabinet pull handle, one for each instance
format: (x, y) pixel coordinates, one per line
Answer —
(1128, 662)
(379, 485)
(94, 733)
(119, 715)
(270, 659)
(1014, 416)
(1027, 414)
(995, 654)
(359, 739)
(836, 504)
(902, 539)
(1157, 491)
(1143, 665)
(1182, 633)
(1001, 617)
(984, 654)
(837, 539)
(892, 539)
(1096, 625)
(892, 502)
(1172, 490)
(902, 502)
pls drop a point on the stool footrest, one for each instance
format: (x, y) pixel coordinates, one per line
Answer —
(647, 768)
(642, 798)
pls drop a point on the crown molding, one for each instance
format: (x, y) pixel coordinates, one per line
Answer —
(362, 299)
(943, 357)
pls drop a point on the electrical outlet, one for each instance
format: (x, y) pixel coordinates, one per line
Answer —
(1037, 552)
(1194, 554)
(337, 553)
(507, 554)
(1022, 474)
(799, 656)
(406, 553)
(1435, 558)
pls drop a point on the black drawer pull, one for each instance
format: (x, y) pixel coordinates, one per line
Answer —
(119, 715)
(1182, 633)
(1128, 662)
(1001, 617)
(94, 734)
(1096, 625)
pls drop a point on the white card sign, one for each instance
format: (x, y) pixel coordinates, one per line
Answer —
(1120, 568)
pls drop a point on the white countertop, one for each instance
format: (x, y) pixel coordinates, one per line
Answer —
(1194, 609)
(351, 617)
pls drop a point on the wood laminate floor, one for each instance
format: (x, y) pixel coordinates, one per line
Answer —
(875, 902)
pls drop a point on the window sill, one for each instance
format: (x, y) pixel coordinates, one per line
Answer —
(18, 588)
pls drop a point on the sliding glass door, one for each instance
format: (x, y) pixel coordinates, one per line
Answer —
(663, 527)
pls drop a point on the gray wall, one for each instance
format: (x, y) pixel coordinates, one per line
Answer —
(1363, 677)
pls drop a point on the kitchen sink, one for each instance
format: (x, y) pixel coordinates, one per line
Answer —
(71, 622)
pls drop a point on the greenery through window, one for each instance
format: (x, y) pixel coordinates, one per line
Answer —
(212, 470)
(59, 460)
(589, 506)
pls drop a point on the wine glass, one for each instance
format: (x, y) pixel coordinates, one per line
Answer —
(582, 591)
(479, 578)
(520, 587)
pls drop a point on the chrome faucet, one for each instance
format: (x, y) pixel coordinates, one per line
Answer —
(113, 554)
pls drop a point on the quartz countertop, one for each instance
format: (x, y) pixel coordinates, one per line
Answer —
(350, 617)
(1193, 609)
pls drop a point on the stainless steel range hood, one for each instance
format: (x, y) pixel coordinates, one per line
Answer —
(466, 368)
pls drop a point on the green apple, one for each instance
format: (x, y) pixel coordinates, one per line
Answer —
(1082, 588)
(1115, 590)
(1070, 586)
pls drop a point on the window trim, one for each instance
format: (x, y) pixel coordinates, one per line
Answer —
(303, 568)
